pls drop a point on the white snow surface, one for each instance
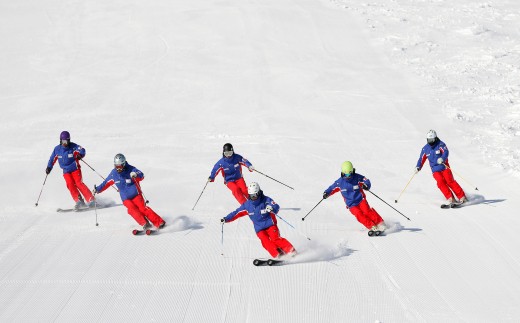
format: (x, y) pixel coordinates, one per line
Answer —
(297, 87)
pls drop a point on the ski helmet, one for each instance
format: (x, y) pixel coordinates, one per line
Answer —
(254, 191)
(431, 136)
(119, 162)
(347, 169)
(65, 138)
(227, 150)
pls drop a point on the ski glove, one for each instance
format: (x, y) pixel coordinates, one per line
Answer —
(251, 168)
(48, 170)
(133, 174)
(78, 157)
(325, 195)
(210, 180)
(440, 160)
(223, 220)
(94, 191)
(416, 170)
(269, 209)
(364, 186)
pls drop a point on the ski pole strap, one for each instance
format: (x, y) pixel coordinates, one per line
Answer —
(273, 179)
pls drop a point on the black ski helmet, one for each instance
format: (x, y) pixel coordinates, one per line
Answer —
(227, 149)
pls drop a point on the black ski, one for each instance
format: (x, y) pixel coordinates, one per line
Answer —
(274, 262)
(260, 262)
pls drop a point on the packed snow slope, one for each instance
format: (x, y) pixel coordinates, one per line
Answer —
(297, 87)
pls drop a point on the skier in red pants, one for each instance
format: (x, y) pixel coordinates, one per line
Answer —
(436, 152)
(127, 178)
(351, 186)
(230, 166)
(262, 211)
(68, 155)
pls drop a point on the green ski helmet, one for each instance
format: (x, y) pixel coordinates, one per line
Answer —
(347, 169)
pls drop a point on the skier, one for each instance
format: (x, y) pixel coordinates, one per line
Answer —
(352, 186)
(262, 211)
(68, 155)
(436, 152)
(230, 166)
(127, 178)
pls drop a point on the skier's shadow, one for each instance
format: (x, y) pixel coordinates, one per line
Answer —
(480, 199)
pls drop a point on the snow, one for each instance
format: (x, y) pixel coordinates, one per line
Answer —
(297, 87)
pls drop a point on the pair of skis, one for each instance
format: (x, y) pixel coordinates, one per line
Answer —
(148, 232)
(454, 205)
(267, 262)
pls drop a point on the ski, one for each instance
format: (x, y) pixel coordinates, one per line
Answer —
(274, 262)
(260, 262)
(83, 209)
(150, 232)
(136, 232)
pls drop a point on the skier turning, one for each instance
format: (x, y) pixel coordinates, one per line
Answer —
(351, 186)
(127, 178)
(436, 152)
(262, 211)
(231, 167)
(68, 155)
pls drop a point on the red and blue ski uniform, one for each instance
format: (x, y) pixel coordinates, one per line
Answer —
(231, 169)
(68, 158)
(441, 171)
(265, 224)
(351, 189)
(131, 195)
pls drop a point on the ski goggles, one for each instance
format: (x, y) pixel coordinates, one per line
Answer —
(65, 141)
(347, 175)
(253, 197)
(228, 153)
(430, 140)
(119, 168)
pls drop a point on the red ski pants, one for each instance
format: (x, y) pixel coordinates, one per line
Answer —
(75, 185)
(366, 215)
(239, 190)
(272, 241)
(447, 184)
(140, 212)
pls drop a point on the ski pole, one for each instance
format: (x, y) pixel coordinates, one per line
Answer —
(388, 204)
(83, 160)
(222, 239)
(405, 188)
(273, 179)
(140, 191)
(200, 196)
(45, 180)
(292, 226)
(95, 210)
(476, 188)
(303, 219)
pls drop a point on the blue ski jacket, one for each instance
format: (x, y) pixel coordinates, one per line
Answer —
(257, 213)
(67, 157)
(350, 188)
(432, 154)
(128, 186)
(231, 168)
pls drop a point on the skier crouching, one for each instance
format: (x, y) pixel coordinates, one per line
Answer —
(351, 186)
(262, 211)
(127, 178)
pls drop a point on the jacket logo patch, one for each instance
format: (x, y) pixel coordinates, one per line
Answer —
(70, 155)
(128, 180)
